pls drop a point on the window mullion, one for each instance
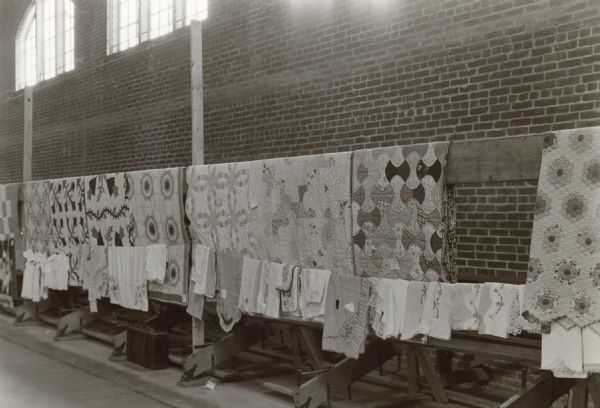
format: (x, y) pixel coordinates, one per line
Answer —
(39, 36)
(60, 36)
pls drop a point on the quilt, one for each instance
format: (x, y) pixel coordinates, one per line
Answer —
(37, 217)
(69, 221)
(301, 210)
(8, 213)
(563, 280)
(8, 282)
(156, 206)
(107, 210)
(218, 206)
(398, 207)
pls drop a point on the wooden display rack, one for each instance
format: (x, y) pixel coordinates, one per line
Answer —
(493, 160)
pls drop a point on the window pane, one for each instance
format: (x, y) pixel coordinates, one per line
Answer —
(195, 10)
(49, 30)
(69, 35)
(128, 23)
(161, 17)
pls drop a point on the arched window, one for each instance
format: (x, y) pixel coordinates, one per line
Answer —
(130, 22)
(45, 42)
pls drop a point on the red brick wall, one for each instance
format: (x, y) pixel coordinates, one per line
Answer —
(288, 77)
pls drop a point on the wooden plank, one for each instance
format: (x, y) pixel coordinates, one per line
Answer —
(27, 133)
(524, 355)
(197, 97)
(503, 159)
(542, 393)
(341, 375)
(197, 93)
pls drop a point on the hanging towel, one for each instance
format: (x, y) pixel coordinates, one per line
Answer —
(564, 264)
(203, 270)
(229, 279)
(591, 348)
(127, 276)
(94, 272)
(562, 352)
(32, 277)
(496, 308)
(435, 321)
(286, 278)
(397, 198)
(345, 326)
(289, 298)
(55, 272)
(415, 302)
(464, 309)
(175, 285)
(202, 279)
(252, 270)
(156, 262)
(313, 292)
(272, 294)
(400, 295)
(383, 307)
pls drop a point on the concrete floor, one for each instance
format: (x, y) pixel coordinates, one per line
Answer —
(38, 372)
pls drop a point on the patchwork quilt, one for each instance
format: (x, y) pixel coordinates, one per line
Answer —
(398, 206)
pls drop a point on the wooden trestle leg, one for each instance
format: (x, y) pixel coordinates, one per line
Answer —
(542, 393)
(69, 326)
(340, 376)
(208, 357)
(25, 313)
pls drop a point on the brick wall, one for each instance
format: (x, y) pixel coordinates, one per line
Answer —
(288, 77)
(120, 112)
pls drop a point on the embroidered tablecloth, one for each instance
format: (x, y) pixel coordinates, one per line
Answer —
(397, 199)
(107, 210)
(563, 279)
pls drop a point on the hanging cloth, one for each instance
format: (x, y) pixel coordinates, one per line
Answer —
(345, 326)
(229, 279)
(127, 277)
